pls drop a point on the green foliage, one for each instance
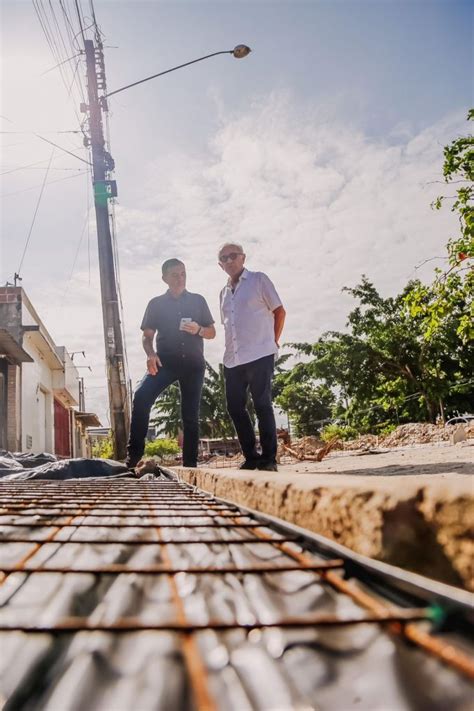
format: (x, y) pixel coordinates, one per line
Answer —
(453, 287)
(384, 431)
(307, 402)
(103, 449)
(344, 432)
(214, 421)
(161, 448)
(382, 371)
(166, 412)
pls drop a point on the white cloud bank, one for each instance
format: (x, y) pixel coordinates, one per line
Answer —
(315, 204)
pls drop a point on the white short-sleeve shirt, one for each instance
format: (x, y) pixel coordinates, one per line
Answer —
(247, 315)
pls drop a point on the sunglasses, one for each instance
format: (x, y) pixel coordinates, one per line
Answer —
(229, 257)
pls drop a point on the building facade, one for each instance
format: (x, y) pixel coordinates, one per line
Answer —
(39, 385)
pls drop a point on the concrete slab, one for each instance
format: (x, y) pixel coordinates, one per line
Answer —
(411, 507)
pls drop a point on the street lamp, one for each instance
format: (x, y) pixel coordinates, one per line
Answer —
(239, 52)
(105, 188)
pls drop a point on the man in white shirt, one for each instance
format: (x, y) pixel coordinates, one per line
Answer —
(253, 318)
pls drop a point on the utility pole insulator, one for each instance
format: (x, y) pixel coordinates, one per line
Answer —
(105, 189)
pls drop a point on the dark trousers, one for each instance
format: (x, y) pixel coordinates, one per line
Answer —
(256, 377)
(190, 379)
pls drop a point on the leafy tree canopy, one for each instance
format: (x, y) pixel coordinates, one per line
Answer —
(403, 358)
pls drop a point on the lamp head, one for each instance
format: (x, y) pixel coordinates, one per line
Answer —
(241, 51)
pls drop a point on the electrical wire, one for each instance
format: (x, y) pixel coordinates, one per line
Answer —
(24, 167)
(69, 59)
(35, 213)
(63, 149)
(81, 237)
(50, 182)
(57, 53)
(80, 20)
(69, 28)
(88, 198)
(33, 133)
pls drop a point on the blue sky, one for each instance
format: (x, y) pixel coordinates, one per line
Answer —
(320, 151)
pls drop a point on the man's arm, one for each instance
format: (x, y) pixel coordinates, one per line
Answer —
(153, 363)
(195, 329)
(204, 329)
(208, 332)
(279, 315)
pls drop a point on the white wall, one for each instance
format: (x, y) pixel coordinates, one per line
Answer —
(36, 402)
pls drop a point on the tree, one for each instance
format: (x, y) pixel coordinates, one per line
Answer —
(408, 357)
(453, 287)
(307, 403)
(383, 371)
(215, 421)
(167, 411)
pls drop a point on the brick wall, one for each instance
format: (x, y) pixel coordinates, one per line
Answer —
(10, 311)
(13, 408)
(9, 294)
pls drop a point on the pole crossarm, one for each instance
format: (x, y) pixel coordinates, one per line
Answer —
(167, 71)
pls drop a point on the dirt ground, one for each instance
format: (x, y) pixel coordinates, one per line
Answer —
(410, 506)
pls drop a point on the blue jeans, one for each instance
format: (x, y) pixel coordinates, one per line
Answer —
(190, 378)
(256, 377)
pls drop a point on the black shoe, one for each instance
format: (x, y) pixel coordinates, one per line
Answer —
(267, 466)
(249, 464)
(132, 461)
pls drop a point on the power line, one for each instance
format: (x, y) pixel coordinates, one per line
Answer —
(70, 170)
(33, 133)
(24, 167)
(50, 182)
(81, 237)
(58, 65)
(69, 28)
(35, 213)
(62, 149)
(56, 51)
(80, 20)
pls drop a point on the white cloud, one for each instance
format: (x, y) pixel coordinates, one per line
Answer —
(315, 203)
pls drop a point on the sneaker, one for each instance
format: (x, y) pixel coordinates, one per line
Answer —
(249, 464)
(267, 466)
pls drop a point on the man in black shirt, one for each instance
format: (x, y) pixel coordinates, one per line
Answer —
(181, 321)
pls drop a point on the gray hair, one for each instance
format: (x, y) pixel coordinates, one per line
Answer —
(230, 244)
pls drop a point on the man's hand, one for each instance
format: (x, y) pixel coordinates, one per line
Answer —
(191, 327)
(153, 364)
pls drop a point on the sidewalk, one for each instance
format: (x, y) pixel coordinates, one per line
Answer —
(411, 507)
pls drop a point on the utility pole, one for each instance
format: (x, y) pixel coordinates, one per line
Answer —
(104, 189)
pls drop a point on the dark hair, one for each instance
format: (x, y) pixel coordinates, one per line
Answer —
(170, 263)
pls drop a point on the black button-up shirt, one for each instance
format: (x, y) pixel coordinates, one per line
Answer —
(164, 313)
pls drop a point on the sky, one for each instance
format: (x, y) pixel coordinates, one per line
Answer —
(320, 152)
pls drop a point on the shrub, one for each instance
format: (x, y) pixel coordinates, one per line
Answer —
(103, 449)
(386, 429)
(343, 432)
(161, 448)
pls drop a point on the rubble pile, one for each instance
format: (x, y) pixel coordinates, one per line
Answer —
(311, 448)
(413, 433)
(416, 433)
(366, 441)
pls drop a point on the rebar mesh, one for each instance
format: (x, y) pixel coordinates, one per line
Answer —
(154, 595)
